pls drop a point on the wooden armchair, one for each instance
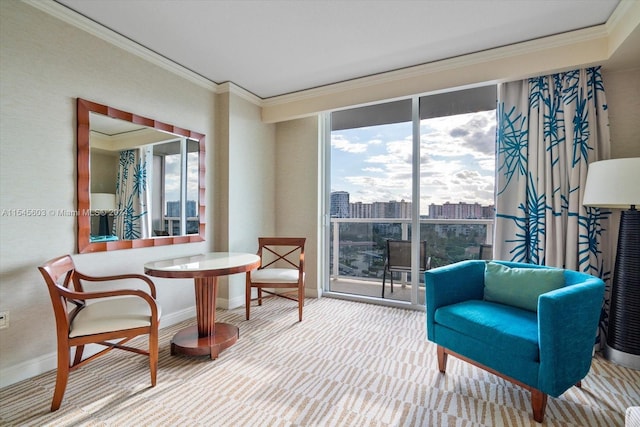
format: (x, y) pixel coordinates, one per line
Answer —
(281, 266)
(97, 317)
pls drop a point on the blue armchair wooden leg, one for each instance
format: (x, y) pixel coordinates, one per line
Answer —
(538, 404)
(538, 398)
(442, 359)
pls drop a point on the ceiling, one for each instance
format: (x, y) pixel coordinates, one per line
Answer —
(276, 47)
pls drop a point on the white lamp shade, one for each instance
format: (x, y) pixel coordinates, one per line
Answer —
(102, 202)
(613, 183)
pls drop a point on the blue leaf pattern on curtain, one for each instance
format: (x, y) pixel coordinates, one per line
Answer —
(133, 194)
(549, 129)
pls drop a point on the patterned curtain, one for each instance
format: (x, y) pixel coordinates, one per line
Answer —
(133, 195)
(549, 129)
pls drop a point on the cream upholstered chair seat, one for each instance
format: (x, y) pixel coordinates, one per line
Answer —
(112, 314)
(275, 275)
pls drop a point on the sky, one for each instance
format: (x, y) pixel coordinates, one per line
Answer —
(172, 177)
(456, 161)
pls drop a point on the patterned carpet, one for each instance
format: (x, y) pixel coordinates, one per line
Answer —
(346, 364)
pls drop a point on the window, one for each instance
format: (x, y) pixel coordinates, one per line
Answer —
(175, 195)
(415, 169)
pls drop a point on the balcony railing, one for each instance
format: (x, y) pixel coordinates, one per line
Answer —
(357, 250)
(171, 224)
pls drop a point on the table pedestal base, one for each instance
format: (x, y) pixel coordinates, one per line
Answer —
(188, 342)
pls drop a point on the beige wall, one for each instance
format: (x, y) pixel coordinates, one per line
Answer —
(45, 65)
(298, 193)
(246, 185)
(622, 89)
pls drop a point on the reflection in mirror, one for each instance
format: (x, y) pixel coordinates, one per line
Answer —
(140, 182)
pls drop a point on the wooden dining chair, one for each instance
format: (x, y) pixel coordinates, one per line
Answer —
(281, 267)
(97, 317)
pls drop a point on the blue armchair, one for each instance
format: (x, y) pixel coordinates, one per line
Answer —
(545, 345)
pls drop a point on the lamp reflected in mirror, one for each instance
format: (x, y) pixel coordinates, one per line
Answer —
(103, 206)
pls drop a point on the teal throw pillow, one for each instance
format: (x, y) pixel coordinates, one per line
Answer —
(519, 287)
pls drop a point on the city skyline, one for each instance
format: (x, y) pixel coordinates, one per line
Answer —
(342, 207)
(374, 164)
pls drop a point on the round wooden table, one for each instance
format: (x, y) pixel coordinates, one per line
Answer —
(207, 337)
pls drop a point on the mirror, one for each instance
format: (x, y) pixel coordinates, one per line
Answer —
(140, 181)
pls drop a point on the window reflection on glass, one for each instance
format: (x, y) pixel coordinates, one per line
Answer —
(193, 187)
(172, 204)
(176, 197)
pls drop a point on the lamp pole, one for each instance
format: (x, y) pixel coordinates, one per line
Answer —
(623, 334)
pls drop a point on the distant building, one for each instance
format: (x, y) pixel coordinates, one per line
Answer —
(489, 211)
(340, 204)
(460, 211)
(390, 209)
(399, 209)
(173, 209)
(360, 210)
(341, 208)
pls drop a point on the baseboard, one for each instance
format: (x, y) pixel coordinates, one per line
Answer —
(39, 365)
(177, 317)
(232, 303)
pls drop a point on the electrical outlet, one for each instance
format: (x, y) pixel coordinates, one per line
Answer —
(4, 319)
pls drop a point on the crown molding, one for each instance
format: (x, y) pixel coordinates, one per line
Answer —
(232, 88)
(519, 49)
(625, 17)
(622, 22)
(71, 17)
(625, 11)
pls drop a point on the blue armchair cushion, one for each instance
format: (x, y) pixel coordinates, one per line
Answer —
(511, 330)
(520, 287)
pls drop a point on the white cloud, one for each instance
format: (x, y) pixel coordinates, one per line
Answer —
(339, 142)
(456, 164)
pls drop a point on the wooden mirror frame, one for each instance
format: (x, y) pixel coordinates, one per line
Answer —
(84, 108)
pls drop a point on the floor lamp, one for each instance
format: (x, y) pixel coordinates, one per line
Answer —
(616, 184)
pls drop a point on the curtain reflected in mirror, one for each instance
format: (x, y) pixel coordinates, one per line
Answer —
(151, 172)
(133, 196)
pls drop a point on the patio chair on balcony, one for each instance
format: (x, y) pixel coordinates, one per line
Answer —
(486, 252)
(398, 259)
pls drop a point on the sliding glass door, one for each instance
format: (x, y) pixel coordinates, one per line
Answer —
(395, 172)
